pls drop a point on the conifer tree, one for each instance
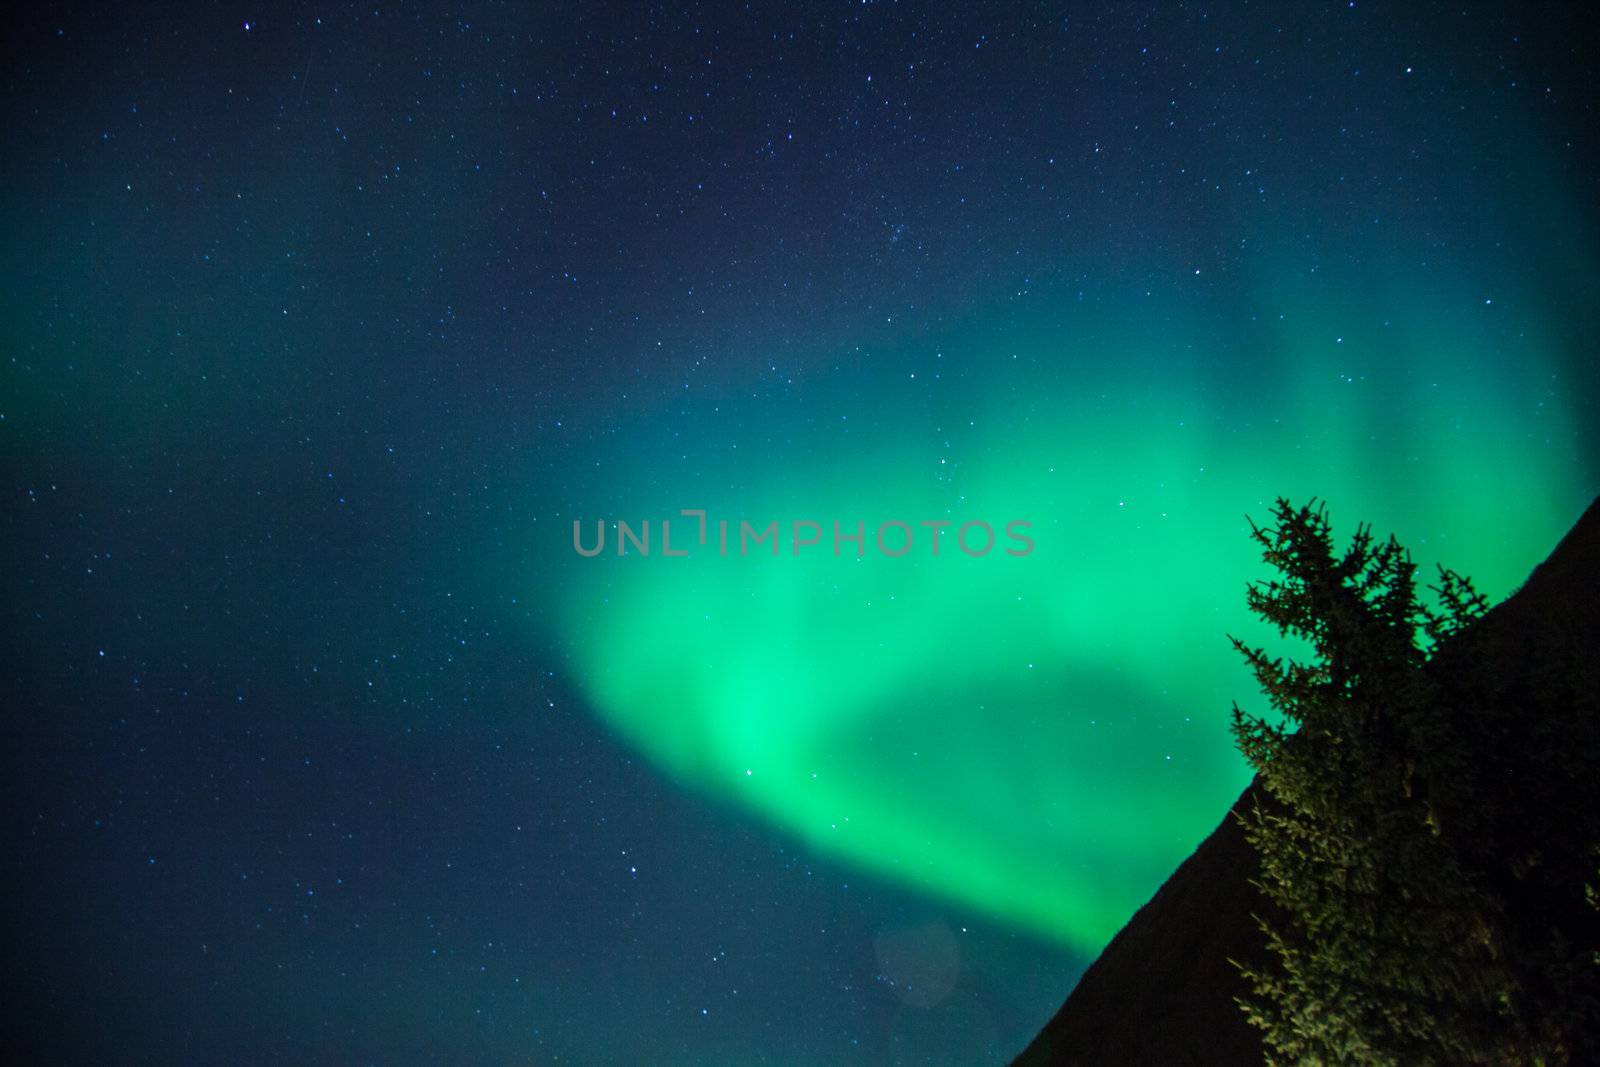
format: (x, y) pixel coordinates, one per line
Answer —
(1387, 947)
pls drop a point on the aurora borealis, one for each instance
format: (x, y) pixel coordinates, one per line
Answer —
(324, 324)
(1021, 734)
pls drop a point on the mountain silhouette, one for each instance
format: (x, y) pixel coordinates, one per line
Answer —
(1164, 989)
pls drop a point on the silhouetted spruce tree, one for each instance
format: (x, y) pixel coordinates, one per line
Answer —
(1388, 948)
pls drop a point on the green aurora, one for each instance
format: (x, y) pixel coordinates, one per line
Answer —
(1042, 739)
(326, 746)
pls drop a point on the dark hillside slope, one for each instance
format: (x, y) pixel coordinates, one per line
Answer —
(1525, 676)
(1163, 990)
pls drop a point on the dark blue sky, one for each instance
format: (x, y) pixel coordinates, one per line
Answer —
(313, 313)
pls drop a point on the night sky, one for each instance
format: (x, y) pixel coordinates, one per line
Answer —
(323, 324)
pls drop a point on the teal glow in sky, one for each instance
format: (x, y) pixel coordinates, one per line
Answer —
(1043, 739)
(318, 335)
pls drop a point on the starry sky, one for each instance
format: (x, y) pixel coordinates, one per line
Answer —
(323, 323)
